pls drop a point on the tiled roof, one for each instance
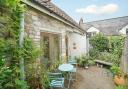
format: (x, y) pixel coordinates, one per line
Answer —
(54, 9)
(108, 26)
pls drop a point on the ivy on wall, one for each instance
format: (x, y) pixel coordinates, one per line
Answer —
(10, 52)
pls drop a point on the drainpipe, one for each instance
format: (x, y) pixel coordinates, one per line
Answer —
(21, 41)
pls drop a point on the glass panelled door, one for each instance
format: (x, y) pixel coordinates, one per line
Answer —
(50, 47)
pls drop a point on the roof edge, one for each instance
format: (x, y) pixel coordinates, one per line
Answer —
(105, 19)
(53, 14)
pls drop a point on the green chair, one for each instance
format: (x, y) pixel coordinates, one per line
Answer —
(72, 60)
(74, 63)
(56, 80)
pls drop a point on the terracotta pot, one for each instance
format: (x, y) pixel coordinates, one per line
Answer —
(119, 80)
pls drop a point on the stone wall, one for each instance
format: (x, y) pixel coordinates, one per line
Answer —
(36, 22)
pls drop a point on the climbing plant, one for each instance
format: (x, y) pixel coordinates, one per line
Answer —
(10, 51)
(117, 45)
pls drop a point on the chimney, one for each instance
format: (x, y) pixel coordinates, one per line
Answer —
(81, 22)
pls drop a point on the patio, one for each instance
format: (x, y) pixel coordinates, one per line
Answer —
(94, 78)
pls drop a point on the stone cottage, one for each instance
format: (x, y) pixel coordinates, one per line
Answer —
(55, 32)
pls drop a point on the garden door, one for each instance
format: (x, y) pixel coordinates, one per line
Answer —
(50, 46)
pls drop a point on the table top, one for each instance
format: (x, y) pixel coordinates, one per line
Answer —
(66, 67)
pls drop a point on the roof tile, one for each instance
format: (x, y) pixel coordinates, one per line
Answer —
(58, 11)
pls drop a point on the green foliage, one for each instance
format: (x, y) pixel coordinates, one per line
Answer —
(45, 70)
(5, 73)
(20, 84)
(99, 42)
(116, 70)
(10, 52)
(117, 44)
(44, 77)
(109, 57)
(94, 53)
(30, 51)
(121, 87)
(107, 48)
(9, 77)
(85, 60)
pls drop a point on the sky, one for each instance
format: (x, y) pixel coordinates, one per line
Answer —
(93, 10)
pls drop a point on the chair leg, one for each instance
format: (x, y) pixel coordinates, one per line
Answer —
(51, 88)
(75, 76)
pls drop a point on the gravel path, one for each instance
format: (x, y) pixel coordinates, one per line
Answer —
(94, 78)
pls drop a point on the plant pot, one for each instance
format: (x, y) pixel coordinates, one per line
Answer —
(86, 67)
(119, 80)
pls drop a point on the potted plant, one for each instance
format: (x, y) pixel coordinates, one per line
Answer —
(126, 79)
(85, 61)
(118, 79)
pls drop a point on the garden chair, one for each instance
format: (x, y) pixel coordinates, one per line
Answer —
(56, 80)
(74, 63)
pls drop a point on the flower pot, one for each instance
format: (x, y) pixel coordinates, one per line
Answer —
(119, 80)
(86, 67)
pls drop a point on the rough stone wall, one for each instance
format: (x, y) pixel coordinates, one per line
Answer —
(36, 22)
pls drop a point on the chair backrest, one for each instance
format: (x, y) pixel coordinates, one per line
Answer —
(54, 75)
(72, 60)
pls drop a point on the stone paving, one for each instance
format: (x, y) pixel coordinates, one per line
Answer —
(94, 78)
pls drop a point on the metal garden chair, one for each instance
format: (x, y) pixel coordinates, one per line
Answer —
(74, 63)
(56, 80)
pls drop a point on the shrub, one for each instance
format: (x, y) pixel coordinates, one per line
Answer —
(8, 78)
(94, 53)
(117, 44)
(115, 69)
(85, 60)
(109, 57)
(99, 42)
